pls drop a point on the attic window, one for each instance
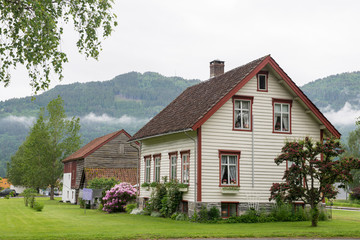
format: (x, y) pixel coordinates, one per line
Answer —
(282, 116)
(262, 81)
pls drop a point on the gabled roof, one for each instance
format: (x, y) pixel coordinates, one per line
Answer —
(199, 102)
(94, 145)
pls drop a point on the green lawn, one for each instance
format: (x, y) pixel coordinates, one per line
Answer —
(65, 221)
(345, 203)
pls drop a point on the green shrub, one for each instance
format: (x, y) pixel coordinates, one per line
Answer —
(174, 215)
(182, 217)
(38, 206)
(102, 183)
(29, 196)
(214, 214)
(130, 207)
(155, 214)
(194, 217)
(203, 214)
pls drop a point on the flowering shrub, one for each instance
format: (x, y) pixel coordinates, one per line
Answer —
(118, 196)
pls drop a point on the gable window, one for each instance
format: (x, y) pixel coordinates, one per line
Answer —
(262, 81)
(147, 168)
(242, 113)
(185, 169)
(173, 165)
(157, 159)
(282, 115)
(229, 168)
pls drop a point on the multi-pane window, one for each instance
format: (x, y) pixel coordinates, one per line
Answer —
(185, 160)
(228, 210)
(242, 114)
(147, 169)
(173, 167)
(281, 117)
(229, 169)
(157, 160)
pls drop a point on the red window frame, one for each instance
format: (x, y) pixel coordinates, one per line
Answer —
(228, 211)
(154, 157)
(245, 98)
(145, 158)
(282, 101)
(266, 74)
(230, 153)
(170, 165)
(182, 153)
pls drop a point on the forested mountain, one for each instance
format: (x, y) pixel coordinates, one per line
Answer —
(335, 90)
(128, 101)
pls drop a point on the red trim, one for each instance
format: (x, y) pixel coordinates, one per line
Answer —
(147, 157)
(303, 97)
(266, 73)
(155, 156)
(269, 60)
(249, 98)
(230, 152)
(182, 167)
(199, 164)
(286, 101)
(229, 202)
(230, 94)
(170, 164)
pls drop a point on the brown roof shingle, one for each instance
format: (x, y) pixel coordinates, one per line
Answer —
(192, 104)
(94, 145)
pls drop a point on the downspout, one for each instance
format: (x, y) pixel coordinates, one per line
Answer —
(252, 154)
(195, 167)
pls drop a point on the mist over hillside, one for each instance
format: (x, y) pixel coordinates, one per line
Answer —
(130, 100)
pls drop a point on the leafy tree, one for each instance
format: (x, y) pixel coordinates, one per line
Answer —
(31, 34)
(353, 150)
(310, 177)
(37, 163)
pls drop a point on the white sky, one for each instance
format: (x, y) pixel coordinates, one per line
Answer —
(308, 39)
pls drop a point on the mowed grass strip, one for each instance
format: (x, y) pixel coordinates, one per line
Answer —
(66, 221)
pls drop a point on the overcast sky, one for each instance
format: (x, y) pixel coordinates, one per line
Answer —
(308, 39)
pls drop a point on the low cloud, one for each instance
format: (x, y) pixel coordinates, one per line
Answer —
(26, 121)
(104, 118)
(347, 115)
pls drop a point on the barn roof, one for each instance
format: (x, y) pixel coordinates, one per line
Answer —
(94, 145)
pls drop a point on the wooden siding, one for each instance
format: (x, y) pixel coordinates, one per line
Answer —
(217, 134)
(165, 145)
(79, 173)
(110, 155)
(71, 167)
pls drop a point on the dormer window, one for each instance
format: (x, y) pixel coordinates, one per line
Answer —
(262, 81)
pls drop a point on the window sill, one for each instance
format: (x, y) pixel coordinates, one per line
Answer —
(183, 189)
(230, 190)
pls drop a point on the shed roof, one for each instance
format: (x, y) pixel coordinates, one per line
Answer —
(197, 103)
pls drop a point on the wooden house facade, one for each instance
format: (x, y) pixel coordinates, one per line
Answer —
(107, 156)
(221, 136)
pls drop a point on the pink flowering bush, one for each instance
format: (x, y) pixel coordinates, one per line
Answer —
(117, 197)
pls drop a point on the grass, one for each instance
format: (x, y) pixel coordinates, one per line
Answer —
(65, 221)
(346, 203)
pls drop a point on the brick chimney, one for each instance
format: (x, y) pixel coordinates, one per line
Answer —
(216, 68)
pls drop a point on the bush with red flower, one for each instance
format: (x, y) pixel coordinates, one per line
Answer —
(117, 197)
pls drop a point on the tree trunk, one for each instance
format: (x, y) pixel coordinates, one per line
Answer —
(51, 192)
(314, 215)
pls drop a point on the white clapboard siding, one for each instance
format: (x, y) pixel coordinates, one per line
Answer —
(165, 145)
(217, 134)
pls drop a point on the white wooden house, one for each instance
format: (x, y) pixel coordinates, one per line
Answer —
(221, 136)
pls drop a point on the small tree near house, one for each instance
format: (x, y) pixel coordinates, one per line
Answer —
(312, 170)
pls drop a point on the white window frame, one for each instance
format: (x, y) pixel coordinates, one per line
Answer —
(185, 170)
(282, 113)
(242, 111)
(224, 154)
(157, 164)
(173, 166)
(147, 169)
